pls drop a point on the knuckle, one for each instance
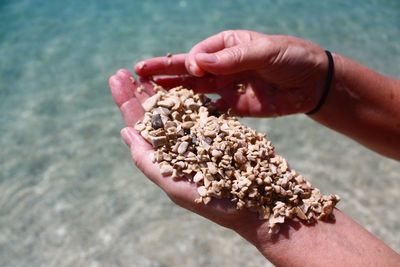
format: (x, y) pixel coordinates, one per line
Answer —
(227, 33)
(229, 37)
(236, 55)
(264, 42)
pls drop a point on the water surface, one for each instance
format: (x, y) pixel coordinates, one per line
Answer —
(69, 194)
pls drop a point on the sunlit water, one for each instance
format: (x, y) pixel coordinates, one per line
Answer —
(69, 194)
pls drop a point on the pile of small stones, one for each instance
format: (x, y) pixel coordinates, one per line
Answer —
(226, 159)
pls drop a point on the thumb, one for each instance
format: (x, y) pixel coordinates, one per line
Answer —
(135, 141)
(129, 136)
(233, 59)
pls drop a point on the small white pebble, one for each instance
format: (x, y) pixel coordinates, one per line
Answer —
(202, 191)
(198, 177)
(183, 147)
(166, 170)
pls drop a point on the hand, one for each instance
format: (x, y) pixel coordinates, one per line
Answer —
(293, 247)
(269, 66)
(128, 99)
(281, 74)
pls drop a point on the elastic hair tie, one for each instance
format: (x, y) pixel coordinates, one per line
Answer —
(327, 86)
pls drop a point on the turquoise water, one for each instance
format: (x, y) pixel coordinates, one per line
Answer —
(69, 195)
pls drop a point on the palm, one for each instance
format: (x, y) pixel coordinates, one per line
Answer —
(249, 93)
(129, 100)
(260, 97)
(265, 96)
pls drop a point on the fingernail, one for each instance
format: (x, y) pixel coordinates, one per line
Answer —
(128, 136)
(207, 58)
(140, 65)
(195, 70)
(192, 69)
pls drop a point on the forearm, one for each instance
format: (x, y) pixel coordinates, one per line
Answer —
(339, 243)
(365, 106)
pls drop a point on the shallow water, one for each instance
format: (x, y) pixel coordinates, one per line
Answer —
(69, 194)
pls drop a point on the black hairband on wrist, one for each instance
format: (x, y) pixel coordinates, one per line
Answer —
(327, 86)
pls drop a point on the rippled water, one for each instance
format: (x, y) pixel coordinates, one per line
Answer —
(69, 194)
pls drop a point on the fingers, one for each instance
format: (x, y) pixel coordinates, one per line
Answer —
(141, 154)
(147, 86)
(183, 64)
(242, 57)
(132, 111)
(182, 192)
(211, 44)
(144, 90)
(128, 94)
(121, 86)
(215, 43)
(167, 65)
(141, 151)
(204, 85)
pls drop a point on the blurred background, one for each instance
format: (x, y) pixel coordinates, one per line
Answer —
(69, 193)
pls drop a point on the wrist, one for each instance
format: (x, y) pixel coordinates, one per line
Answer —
(274, 247)
(337, 242)
(287, 248)
(255, 232)
(323, 90)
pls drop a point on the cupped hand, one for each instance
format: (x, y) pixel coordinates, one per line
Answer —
(255, 74)
(124, 89)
